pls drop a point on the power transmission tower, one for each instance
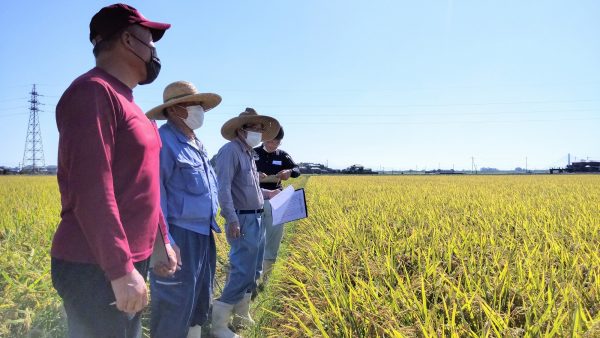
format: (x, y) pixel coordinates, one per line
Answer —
(33, 156)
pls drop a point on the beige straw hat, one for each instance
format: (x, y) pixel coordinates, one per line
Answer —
(270, 125)
(180, 92)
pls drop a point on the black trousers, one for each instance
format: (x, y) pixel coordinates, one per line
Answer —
(87, 296)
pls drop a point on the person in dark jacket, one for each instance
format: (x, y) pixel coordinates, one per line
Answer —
(274, 165)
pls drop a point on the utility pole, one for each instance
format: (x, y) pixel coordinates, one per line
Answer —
(33, 156)
(526, 169)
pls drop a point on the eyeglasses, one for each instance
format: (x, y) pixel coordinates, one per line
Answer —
(274, 142)
(187, 104)
(256, 129)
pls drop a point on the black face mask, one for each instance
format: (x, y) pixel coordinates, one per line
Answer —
(152, 66)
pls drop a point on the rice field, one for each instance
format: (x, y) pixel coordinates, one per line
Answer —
(389, 256)
(435, 256)
(29, 214)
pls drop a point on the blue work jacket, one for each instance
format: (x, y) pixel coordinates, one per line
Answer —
(188, 184)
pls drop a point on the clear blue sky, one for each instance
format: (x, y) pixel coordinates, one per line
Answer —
(393, 84)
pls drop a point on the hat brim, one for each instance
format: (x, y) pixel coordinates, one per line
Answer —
(207, 100)
(156, 28)
(271, 126)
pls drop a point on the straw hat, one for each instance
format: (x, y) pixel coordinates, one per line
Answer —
(181, 92)
(249, 116)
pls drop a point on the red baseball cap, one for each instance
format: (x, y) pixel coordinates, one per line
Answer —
(110, 19)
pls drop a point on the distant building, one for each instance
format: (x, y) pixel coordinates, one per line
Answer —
(358, 169)
(579, 167)
(11, 171)
(315, 168)
(444, 172)
(31, 170)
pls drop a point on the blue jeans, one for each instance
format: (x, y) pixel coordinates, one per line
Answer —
(184, 299)
(273, 234)
(245, 259)
(87, 296)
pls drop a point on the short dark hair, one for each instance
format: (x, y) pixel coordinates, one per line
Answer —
(279, 136)
(108, 43)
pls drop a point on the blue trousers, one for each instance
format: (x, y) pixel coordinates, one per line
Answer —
(183, 300)
(87, 296)
(245, 259)
(273, 234)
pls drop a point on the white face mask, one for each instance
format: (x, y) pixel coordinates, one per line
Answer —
(195, 117)
(253, 138)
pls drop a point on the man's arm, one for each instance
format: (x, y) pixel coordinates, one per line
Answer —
(227, 164)
(291, 168)
(166, 171)
(268, 194)
(290, 164)
(166, 268)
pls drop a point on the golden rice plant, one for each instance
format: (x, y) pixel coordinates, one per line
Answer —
(435, 256)
(29, 213)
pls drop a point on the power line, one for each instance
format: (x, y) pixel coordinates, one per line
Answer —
(413, 105)
(409, 89)
(450, 113)
(14, 99)
(436, 122)
(374, 106)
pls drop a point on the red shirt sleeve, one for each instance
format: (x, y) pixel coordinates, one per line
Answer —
(88, 122)
(163, 228)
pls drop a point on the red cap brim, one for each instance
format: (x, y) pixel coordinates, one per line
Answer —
(156, 28)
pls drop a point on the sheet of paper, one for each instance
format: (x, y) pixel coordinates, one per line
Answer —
(289, 205)
(270, 179)
(282, 197)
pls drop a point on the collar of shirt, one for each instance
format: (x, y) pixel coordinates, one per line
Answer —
(244, 147)
(276, 152)
(116, 83)
(196, 144)
(181, 137)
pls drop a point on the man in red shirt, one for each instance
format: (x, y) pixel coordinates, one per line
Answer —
(108, 175)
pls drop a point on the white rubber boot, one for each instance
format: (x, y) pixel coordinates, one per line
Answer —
(195, 332)
(267, 268)
(241, 312)
(221, 313)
